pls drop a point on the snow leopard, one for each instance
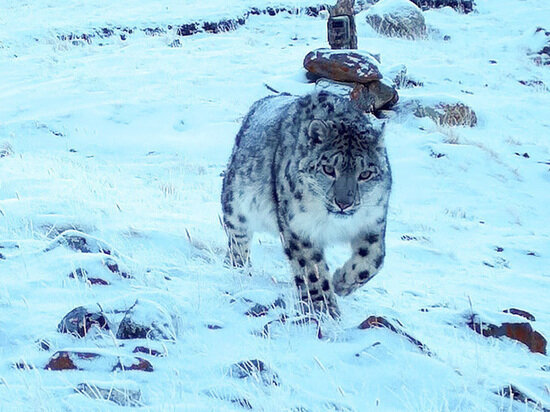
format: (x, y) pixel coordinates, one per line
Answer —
(312, 169)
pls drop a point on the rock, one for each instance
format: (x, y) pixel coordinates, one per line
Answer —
(65, 360)
(119, 395)
(540, 50)
(255, 369)
(146, 320)
(111, 264)
(462, 6)
(521, 332)
(5, 150)
(380, 322)
(71, 360)
(397, 18)
(371, 97)
(378, 95)
(43, 344)
(447, 114)
(514, 393)
(82, 274)
(137, 364)
(148, 351)
(80, 320)
(23, 365)
(79, 241)
(343, 65)
(261, 310)
(520, 312)
(535, 84)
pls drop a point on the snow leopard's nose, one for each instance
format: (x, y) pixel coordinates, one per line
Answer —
(343, 205)
(344, 191)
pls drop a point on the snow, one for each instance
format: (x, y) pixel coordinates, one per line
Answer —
(126, 141)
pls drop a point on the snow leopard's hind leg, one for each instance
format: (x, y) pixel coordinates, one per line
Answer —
(235, 225)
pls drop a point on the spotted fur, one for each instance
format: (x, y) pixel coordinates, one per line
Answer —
(314, 170)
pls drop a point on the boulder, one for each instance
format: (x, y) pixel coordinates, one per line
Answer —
(520, 331)
(146, 320)
(80, 321)
(397, 18)
(343, 65)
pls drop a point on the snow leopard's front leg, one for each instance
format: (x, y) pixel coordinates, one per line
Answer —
(365, 262)
(311, 275)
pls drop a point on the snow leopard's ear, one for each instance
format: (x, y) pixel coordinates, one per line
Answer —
(317, 131)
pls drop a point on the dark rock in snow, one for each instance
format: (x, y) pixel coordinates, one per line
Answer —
(535, 84)
(514, 393)
(255, 369)
(261, 310)
(67, 360)
(148, 351)
(397, 18)
(80, 320)
(343, 65)
(44, 344)
(71, 360)
(119, 395)
(138, 364)
(114, 267)
(81, 242)
(82, 274)
(521, 332)
(462, 6)
(520, 312)
(542, 56)
(380, 322)
(146, 320)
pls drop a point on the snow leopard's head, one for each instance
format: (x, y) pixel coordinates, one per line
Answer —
(347, 166)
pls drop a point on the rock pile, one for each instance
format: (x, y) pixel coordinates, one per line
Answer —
(353, 74)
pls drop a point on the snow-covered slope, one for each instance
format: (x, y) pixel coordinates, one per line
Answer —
(125, 140)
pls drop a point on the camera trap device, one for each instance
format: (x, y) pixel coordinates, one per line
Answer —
(339, 32)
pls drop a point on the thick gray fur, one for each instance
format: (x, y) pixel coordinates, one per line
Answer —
(314, 170)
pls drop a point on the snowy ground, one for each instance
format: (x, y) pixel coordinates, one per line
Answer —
(126, 140)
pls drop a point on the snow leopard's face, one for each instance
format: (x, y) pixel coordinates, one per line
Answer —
(351, 170)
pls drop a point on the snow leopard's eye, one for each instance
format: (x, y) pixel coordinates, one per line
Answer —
(367, 175)
(329, 171)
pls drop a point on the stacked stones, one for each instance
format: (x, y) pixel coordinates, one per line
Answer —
(353, 74)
